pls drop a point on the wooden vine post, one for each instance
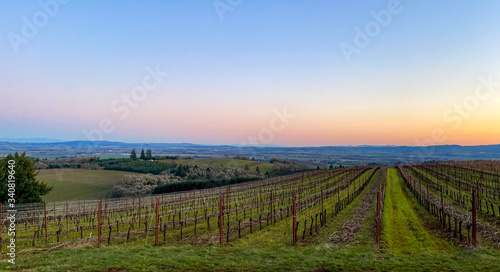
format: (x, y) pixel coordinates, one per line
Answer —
(46, 233)
(1, 223)
(220, 220)
(294, 220)
(99, 225)
(139, 211)
(474, 219)
(322, 208)
(157, 217)
(67, 215)
(427, 190)
(180, 209)
(379, 218)
(443, 216)
(348, 194)
(271, 207)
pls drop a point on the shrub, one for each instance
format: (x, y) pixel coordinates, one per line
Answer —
(141, 184)
(197, 185)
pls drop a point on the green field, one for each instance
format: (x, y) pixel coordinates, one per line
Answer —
(73, 184)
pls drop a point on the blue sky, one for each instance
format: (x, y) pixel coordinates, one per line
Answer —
(226, 78)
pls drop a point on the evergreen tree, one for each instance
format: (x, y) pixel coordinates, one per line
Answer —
(133, 155)
(257, 169)
(28, 189)
(331, 166)
(143, 156)
(149, 155)
(181, 171)
(208, 175)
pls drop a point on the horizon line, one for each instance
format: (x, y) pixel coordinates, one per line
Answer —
(58, 141)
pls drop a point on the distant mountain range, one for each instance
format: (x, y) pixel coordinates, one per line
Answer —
(30, 140)
(113, 143)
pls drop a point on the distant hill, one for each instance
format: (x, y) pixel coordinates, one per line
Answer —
(30, 140)
(317, 156)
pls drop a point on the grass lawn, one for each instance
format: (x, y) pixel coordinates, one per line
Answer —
(73, 184)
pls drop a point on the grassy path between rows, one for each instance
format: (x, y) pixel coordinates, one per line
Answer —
(404, 230)
(353, 225)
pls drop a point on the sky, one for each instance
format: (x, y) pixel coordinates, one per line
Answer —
(285, 72)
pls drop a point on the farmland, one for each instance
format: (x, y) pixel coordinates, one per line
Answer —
(317, 220)
(317, 156)
(73, 184)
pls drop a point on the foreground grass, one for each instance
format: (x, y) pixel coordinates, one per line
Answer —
(257, 258)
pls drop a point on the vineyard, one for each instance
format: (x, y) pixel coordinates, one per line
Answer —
(460, 201)
(463, 196)
(219, 215)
